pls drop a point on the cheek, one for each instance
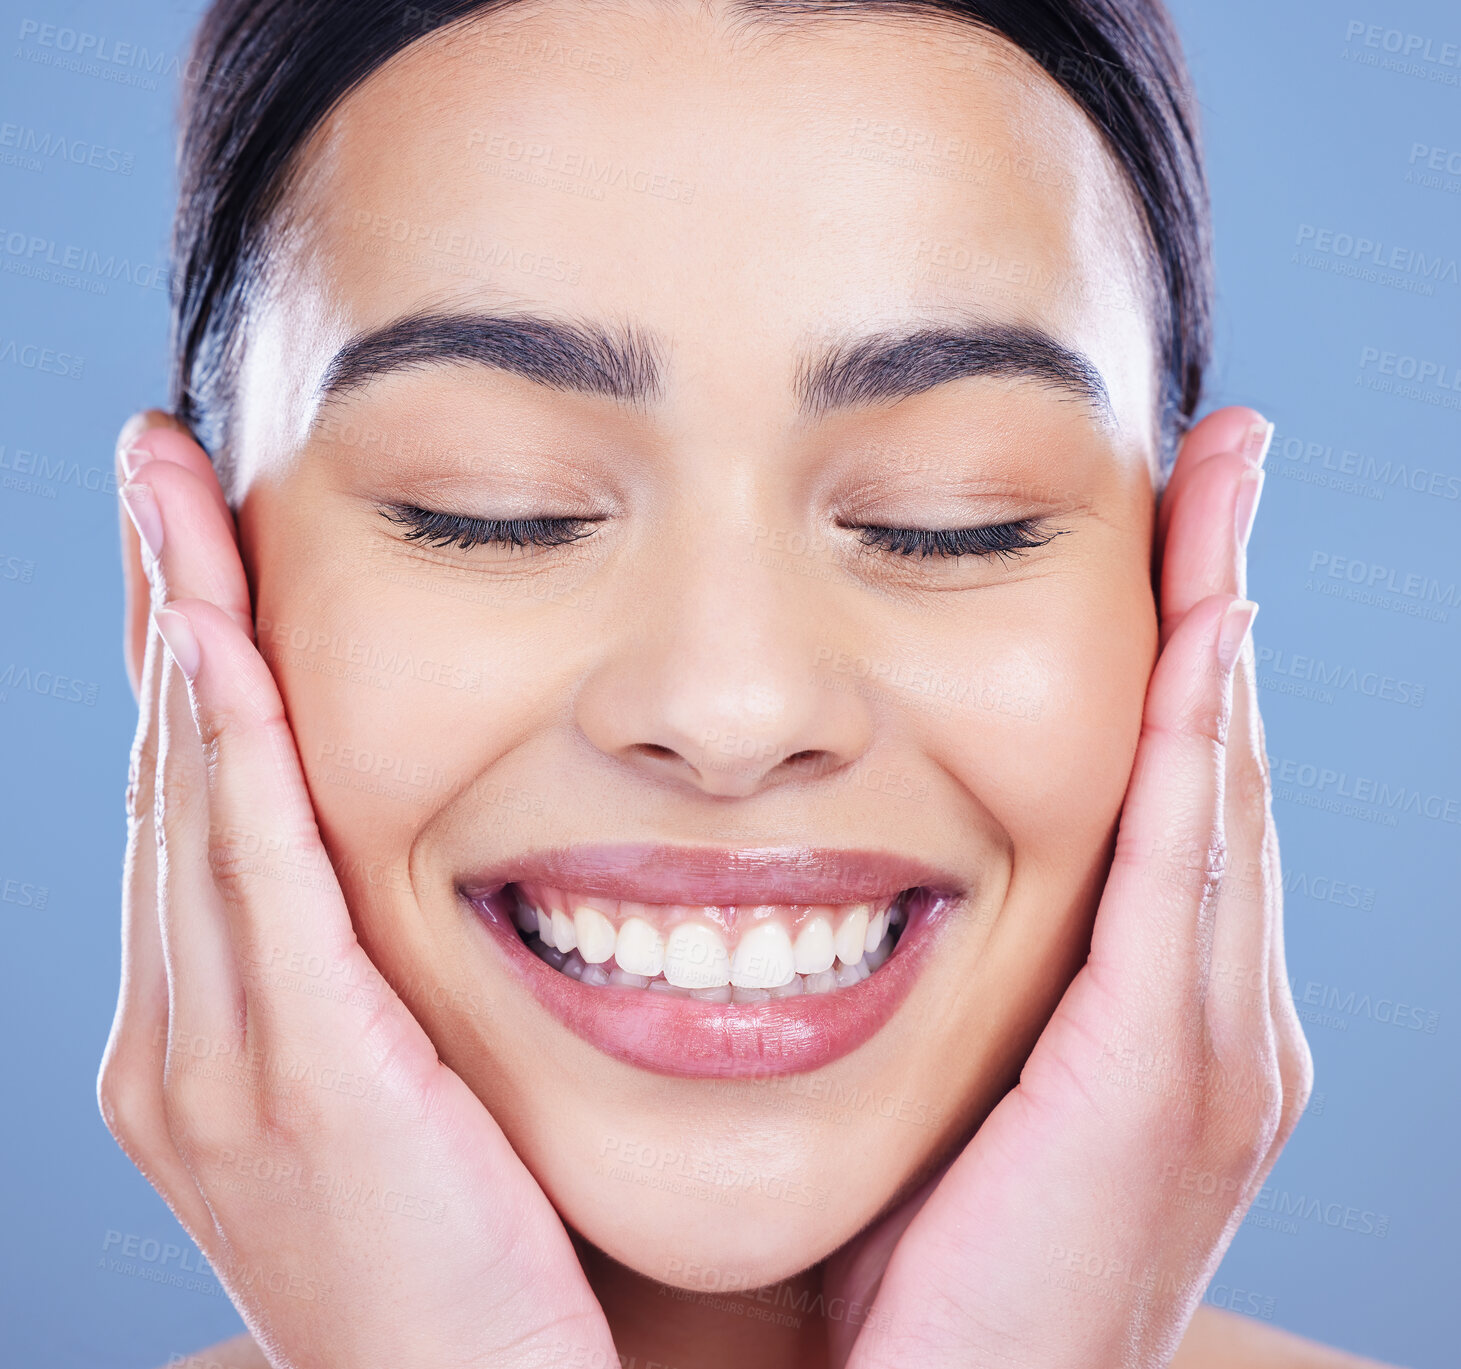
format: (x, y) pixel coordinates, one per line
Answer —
(393, 709)
(1045, 739)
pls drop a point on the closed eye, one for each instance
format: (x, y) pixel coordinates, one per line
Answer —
(1005, 540)
(459, 530)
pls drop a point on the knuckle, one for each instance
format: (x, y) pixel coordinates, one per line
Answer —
(124, 1099)
(1195, 868)
(141, 770)
(1296, 1071)
(1246, 1101)
(175, 792)
(288, 1116)
(232, 867)
(196, 1100)
(1248, 788)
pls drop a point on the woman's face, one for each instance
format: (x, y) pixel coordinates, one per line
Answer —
(733, 295)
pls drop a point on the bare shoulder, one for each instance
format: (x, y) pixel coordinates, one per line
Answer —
(1214, 1340)
(238, 1353)
(1225, 1340)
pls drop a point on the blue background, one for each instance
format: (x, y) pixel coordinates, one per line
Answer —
(1311, 125)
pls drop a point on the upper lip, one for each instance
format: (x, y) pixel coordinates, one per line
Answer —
(717, 876)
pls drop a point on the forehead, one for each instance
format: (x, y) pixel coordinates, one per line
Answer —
(736, 186)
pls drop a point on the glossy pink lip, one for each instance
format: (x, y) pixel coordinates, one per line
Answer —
(691, 1039)
(714, 875)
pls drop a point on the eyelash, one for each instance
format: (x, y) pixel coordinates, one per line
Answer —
(1004, 540)
(458, 530)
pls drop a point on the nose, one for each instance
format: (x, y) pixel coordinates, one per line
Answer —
(716, 686)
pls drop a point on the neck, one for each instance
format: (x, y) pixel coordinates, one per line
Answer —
(656, 1326)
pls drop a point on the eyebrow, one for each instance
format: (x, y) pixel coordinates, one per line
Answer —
(618, 363)
(885, 367)
(625, 364)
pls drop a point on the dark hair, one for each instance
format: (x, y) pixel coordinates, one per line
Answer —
(265, 73)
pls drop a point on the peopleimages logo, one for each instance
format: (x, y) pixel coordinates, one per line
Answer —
(1339, 675)
(1381, 473)
(1425, 371)
(1293, 778)
(1371, 252)
(1401, 44)
(1371, 574)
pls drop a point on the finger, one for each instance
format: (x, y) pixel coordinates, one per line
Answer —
(1150, 946)
(1236, 429)
(278, 889)
(205, 994)
(135, 587)
(1208, 542)
(1250, 896)
(1295, 1062)
(130, 1082)
(191, 544)
(157, 436)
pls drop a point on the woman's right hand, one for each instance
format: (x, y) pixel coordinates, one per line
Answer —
(1082, 1222)
(354, 1197)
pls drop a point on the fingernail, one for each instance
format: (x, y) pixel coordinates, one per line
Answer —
(1254, 447)
(1236, 625)
(133, 458)
(1245, 507)
(131, 452)
(141, 505)
(177, 632)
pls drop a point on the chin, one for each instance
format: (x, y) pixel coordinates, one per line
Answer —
(718, 1139)
(707, 1245)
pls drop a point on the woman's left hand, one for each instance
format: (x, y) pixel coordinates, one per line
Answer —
(1081, 1224)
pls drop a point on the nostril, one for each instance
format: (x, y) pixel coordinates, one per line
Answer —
(813, 763)
(657, 752)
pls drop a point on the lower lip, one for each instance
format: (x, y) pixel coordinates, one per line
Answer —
(690, 1039)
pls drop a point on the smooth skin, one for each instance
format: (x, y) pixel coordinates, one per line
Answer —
(1073, 1149)
(256, 853)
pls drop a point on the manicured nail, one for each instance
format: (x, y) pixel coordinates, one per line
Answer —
(133, 458)
(177, 632)
(1254, 447)
(1245, 508)
(132, 451)
(1236, 625)
(141, 505)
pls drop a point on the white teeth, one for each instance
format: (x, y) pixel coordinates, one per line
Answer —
(695, 957)
(821, 983)
(595, 935)
(763, 958)
(876, 926)
(525, 917)
(815, 948)
(664, 986)
(640, 949)
(630, 981)
(563, 934)
(851, 934)
(693, 962)
(720, 994)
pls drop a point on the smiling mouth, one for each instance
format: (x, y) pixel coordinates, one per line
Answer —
(713, 954)
(706, 962)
